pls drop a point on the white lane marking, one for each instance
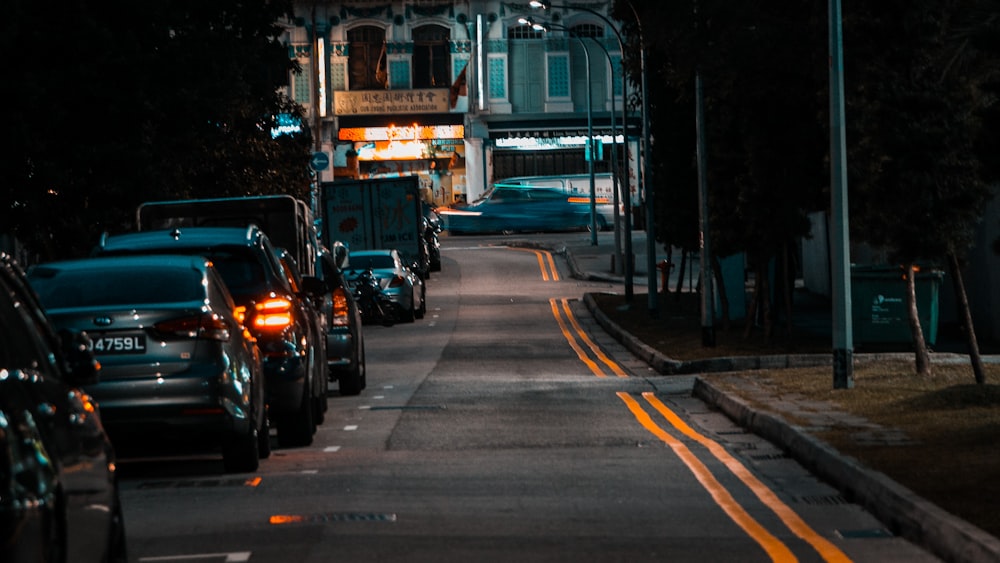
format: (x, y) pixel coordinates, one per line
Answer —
(350, 427)
(331, 449)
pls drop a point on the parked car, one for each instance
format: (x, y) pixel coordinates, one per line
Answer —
(279, 314)
(59, 497)
(509, 209)
(176, 361)
(345, 343)
(401, 284)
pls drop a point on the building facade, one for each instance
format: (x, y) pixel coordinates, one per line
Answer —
(463, 93)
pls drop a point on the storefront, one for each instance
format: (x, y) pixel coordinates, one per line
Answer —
(400, 133)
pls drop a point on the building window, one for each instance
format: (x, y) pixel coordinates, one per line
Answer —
(367, 64)
(431, 57)
(523, 32)
(587, 30)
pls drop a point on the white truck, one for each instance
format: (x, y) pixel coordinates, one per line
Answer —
(377, 213)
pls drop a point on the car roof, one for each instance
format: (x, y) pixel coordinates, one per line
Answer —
(182, 237)
(144, 261)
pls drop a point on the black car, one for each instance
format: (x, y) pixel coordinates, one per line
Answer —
(177, 368)
(279, 310)
(345, 344)
(59, 496)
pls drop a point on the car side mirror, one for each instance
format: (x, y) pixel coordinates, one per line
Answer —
(83, 367)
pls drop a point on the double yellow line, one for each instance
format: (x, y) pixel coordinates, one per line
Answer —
(545, 263)
(775, 548)
(560, 307)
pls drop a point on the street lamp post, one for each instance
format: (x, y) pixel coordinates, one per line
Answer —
(627, 261)
(589, 153)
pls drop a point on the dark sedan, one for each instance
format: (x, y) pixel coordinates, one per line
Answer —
(176, 361)
(59, 496)
(279, 313)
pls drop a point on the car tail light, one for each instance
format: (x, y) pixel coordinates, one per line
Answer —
(207, 326)
(273, 314)
(341, 311)
(396, 281)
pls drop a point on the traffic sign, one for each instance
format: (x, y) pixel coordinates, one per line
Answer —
(319, 161)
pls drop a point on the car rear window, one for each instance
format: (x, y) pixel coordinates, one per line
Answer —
(238, 265)
(377, 261)
(60, 289)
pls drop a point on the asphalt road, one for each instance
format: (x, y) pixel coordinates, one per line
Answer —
(504, 426)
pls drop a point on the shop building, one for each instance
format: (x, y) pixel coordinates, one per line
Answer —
(462, 93)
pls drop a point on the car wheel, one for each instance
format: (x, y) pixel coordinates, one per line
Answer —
(242, 453)
(264, 439)
(296, 429)
(319, 410)
(117, 551)
(352, 381)
(422, 310)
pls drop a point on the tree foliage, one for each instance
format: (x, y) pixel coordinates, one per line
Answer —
(114, 103)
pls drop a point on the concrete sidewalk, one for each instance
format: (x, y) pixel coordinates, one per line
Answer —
(901, 510)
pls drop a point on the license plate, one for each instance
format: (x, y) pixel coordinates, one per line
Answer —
(130, 344)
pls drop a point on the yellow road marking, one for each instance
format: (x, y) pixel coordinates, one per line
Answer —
(827, 550)
(572, 341)
(777, 550)
(590, 344)
(545, 262)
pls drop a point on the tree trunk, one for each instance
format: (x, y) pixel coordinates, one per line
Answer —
(923, 358)
(752, 309)
(767, 314)
(720, 290)
(787, 288)
(680, 273)
(965, 314)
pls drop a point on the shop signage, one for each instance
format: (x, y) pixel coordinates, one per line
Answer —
(401, 133)
(369, 102)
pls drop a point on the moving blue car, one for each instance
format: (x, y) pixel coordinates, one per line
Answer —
(510, 209)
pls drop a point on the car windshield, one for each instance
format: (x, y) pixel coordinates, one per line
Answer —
(90, 287)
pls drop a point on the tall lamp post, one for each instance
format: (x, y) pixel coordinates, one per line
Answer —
(546, 27)
(627, 261)
(843, 362)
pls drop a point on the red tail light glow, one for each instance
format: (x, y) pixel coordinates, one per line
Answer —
(396, 281)
(273, 314)
(341, 312)
(211, 327)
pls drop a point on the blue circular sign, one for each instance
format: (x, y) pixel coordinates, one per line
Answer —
(319, 161)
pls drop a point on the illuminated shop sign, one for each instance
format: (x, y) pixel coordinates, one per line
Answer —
(405, 133)
(543, 143)
(381, 102)
(403, 150)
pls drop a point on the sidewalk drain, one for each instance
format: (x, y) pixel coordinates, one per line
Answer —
(768, 457)
(827, 500)
(332, 517)
(873, 533)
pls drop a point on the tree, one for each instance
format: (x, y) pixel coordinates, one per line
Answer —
(918, 184)
(762, 69)
(116, 103)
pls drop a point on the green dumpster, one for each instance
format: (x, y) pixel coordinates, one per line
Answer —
(878, 304)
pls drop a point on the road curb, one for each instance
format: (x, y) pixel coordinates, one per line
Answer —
(904, 512)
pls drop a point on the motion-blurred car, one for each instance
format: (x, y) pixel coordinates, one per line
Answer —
(279, 313)
(345, 343)
(176, 361)
(402, 285)
(59, 497)
(510, 209)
